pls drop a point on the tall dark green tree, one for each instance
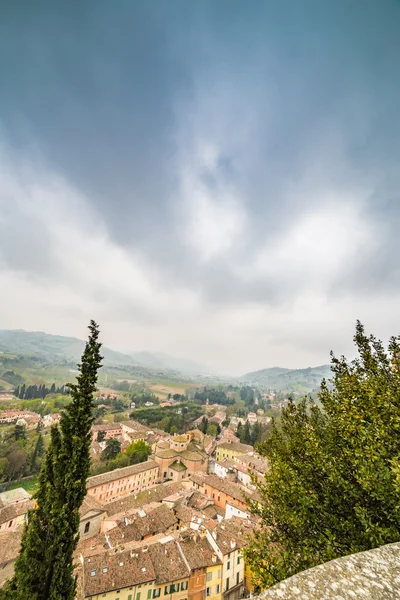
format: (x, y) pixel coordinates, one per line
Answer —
(44, 568)
(334, 472)
(37, 453)
(113, 447)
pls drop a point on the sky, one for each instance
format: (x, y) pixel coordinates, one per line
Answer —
(217, 180)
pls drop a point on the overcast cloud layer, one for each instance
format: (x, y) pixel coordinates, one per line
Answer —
(217, 179)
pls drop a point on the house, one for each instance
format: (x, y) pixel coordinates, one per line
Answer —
(29, 418)
(52, 419)
(249, 465)
(252, 418)
(227, 539)
(231, 450)
(204, 566)
(110, 430)
(110, 575)
(14, 514)
(14, 496)
(233, 509)
(142, 572)
(120, 482)
(220, 490)
(142, 525)
(91, 514)
(10, 546)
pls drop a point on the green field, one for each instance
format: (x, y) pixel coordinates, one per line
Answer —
(30, 485)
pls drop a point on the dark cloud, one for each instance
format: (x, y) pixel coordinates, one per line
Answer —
(210, 142)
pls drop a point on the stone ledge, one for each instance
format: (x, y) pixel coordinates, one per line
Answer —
(371, 575)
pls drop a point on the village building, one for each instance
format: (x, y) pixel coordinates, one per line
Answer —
(22, 417)
(231, 450)
(110, 430)
(227, 539)
(49, 420)
(14, 496)
(220, 490)
(91, 514)
(178, 458)
(126, 575)
(10, 546)
(120, 482)
(14, 514)
(205, 567)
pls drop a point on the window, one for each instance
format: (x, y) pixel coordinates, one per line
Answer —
(148, 594)
(93, 573)
(138, 596)
(209, 576)
(219, 573)
(184, 585)
(238, 560)
(87, 526)
(105, 569)
(237, 578)
(156, 593)
(217, 589)
(130, 597)
(228, 565)
(227, 583)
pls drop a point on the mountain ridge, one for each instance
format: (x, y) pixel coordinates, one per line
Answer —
(292, 380)
(52, 346)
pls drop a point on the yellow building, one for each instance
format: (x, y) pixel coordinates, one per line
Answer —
(143, 573)
(231, 449)
(214, 582)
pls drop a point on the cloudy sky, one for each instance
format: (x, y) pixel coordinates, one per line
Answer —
(216, 179)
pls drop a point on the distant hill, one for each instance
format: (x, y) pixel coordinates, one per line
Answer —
(289, 380)
(52, 347)
(57, 347)
(160, 360)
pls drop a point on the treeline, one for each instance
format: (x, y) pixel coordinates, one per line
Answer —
(213, 395)
(252, 434)
(172, 419)
(51, 404)
(207, 428)
(112, 458)
(31, 392)
(21, 453)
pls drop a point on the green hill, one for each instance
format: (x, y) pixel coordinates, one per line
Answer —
(300, 381)
(51, 347)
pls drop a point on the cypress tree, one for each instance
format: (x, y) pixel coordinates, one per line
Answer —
(44, 568)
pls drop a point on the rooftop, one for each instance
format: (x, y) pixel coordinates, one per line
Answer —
(177, 466)
(168, 562)
(153, 494)
(236, 447)
(152, 522)
(11, 511)
(222, 485)
(232, 534)
(120, 473)
(110, 571)
(198, 552)
(14, 496)
(107, 427)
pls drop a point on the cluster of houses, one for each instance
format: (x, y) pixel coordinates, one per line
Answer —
(174, 525)
(27, 418)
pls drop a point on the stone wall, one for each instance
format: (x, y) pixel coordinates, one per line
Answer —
(372, 575)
